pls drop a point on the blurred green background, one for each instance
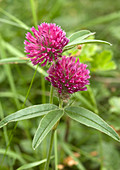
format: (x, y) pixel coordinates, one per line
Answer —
(96, 151)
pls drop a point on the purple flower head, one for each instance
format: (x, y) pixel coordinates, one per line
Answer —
(47, 43)
(68, 75)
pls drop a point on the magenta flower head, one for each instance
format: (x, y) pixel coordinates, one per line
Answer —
(68, 75)
(47, 43)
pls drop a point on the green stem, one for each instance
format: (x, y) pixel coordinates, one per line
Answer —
(28, 92)
(34, 12)
(52, 133)
(101, 151)
(4, 128)
(55, 137)
(100, 134)
(5, 133)
(51, 95)
(8, 72)
(55, 150)
(50, 149)
(11, 137)
(60, 103)
(43, 89)
(13, 130)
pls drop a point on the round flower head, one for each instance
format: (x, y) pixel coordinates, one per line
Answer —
(47, 43)
(68, 75)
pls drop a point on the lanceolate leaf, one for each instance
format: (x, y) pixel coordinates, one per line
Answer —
(83, 41)
(15, 19)
(79, 34)
(79, 39)
(33, 164)
(46, 124)
(19, 54)
(12, 155)
(90, 119)
(95, 41)
(13, 60)
(28, 113)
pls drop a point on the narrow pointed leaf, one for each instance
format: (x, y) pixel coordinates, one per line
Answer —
(12, 155)
(14, 51)
(15, 19)
(33, 164)
(8, 94)
(28, 113)
(90, 119)
(13, 60)
(95, 41)
(79, 42)
(46, 124)
(79, 97)
(78, 34)
(9, 22)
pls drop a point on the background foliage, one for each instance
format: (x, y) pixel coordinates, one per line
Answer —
(83, 145)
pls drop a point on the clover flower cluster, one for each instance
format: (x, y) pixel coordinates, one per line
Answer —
(47, 43)
(66, 74)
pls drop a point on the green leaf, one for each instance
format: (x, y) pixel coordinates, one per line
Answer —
(13, 60)
(90, 119)
(111, 156)
(115, 105)
(82, 41)
(12, 17)
(33, 164)
(95, 41)
(87, 51)
(79, 34)
(9, 22)
(101, 20)
(13, 155)
(14, 51)
(28, 113)
(103, 61)
(79, 97)
(46, 124)
(8, 72)
(8, 94)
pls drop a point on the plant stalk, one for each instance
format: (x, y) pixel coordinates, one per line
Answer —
(55, 150)
(33, 7)
(52, 133)
(50, 149)
(51, 95)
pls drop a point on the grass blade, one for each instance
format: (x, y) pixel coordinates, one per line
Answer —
(33, 164)
(9, 75)
(16, 52)
(19, 96)
(33, 7)
(9, 22)
(14, 19)
(13, 60)
(12, 155)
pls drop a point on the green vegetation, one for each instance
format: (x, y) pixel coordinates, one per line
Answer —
(23, 85)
